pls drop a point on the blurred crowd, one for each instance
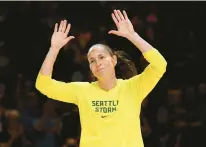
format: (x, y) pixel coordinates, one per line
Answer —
(172, 115)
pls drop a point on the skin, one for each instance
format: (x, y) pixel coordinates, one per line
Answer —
(102, 65)
(101, 62)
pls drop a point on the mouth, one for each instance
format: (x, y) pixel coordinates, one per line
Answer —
(100, 69)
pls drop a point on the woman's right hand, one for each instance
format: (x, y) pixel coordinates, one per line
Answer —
(59, 37)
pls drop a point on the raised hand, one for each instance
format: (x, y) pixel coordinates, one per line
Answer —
(124, 25)
(59, 37)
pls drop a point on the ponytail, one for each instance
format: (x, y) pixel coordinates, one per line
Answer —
(125, 68)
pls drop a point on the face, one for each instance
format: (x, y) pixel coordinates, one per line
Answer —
(102, 64)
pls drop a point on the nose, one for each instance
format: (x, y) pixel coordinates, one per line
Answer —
(98, 64)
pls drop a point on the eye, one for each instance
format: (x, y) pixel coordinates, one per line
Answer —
(101, 57)
(92, 61)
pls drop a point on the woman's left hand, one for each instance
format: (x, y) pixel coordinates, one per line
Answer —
(124, 25)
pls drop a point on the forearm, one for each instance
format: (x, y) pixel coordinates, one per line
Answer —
(39, 126)
(153, 56)
(11, 140)
(48, 64)
(139, 42)
(4, 145)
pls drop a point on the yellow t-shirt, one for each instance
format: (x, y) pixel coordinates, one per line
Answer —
(108, 118)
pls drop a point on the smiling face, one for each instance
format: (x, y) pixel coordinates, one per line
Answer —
(102, 61)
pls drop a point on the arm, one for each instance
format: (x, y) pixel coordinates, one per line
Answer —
(146, 130)
(126, 30)
(15, 134)
(146, 81)
(48, 111)
(58, 40)
(62, 91)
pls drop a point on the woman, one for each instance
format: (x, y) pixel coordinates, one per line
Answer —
(109, 107)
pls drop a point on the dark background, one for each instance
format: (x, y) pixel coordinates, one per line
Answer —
(174, 111)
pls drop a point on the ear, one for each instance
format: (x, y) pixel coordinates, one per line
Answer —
(114, 57)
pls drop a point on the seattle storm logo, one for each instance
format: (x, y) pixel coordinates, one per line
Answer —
(105, 106)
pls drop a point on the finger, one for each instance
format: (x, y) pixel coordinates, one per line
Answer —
(60, 26)
(68, 29)
(114, 19)
(117, 16)
(114, 32)
(56, 27)
(69, 38)
(64, 26)
(125, 15)
(120, 15)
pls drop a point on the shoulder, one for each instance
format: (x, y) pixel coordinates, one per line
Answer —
(131, 83)
(81, 85)
(130, 80)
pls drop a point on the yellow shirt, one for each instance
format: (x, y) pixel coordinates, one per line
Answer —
(108, 118)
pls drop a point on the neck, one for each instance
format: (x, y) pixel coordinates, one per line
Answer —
(108, 84)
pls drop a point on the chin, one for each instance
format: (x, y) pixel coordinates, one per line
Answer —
(104, 77)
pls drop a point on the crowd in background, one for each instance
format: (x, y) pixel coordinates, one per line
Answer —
(172, 115)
